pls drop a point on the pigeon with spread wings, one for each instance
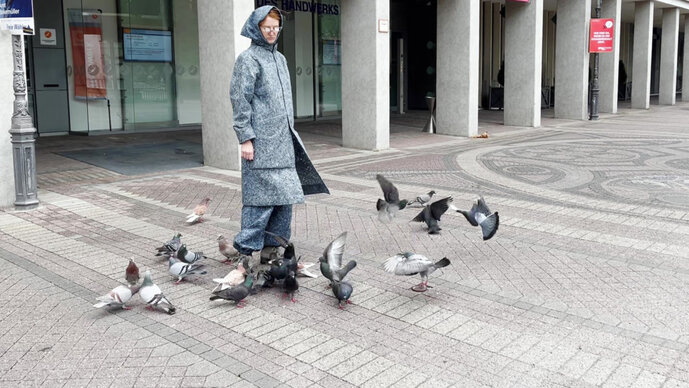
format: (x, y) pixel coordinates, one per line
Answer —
(431, 214)
(409, 264)
(387, 209)
(480, 215)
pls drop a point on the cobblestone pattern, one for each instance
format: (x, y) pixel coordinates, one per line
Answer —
(584, 284)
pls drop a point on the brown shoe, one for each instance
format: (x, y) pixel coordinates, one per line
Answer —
(268, 254)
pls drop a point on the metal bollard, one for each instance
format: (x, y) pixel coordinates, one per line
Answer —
(22, 131)
(430, 126)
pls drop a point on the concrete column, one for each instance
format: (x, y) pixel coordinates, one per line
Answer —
(685, 67)
(457, 67)
(643, 41)
(668, 56)
(523, 53)
(7, 97)
(220, 42)
(572, 59)
(609, 75)
(365, 73)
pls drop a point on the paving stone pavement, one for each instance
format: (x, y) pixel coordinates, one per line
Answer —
(585, 283)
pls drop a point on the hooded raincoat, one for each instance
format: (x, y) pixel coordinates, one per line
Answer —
(281, 172)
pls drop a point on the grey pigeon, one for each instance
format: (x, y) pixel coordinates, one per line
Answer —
(331, 260)
(181, 270)
(187, 256)
(409, 263)
(431, 214)
(387, 209)
(342, 291)
(117, 297)
(170, 247)
(151, 294)
(237, 293)
(423, 199)
(131, 274)
(480, 215)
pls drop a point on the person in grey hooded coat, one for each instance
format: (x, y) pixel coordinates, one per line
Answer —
(276, 171)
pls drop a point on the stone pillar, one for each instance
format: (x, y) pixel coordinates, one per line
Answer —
(365, 73)
(523, 53)
(6, 96)
(572, 59)
(457, 67)
(643, 40)
(220, 42)
(609, 62)
(668, 56)
(685, 66)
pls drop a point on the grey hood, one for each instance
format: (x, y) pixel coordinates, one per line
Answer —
(251, 29)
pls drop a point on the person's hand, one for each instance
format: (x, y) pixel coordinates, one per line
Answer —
(248, 150)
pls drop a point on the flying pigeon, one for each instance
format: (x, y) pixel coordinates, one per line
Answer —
(151, 294)
(181, 270)
(226, 249)
(199, 212)
(342, 291)
(409, 263)
(131, 274)
(331, 260)
(291, 286)
(170, 247)
(480, 215)
(423, 199)
(189, 257)
(117, 297)
(235, 277)
(431, 214)
(237, 293)
(387, 209)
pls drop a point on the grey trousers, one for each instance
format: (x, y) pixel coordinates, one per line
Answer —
(256, 220)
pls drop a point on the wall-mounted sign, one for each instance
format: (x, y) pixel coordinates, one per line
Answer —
(601, 38)
(17, 16)
(519, 1)
(383, 25)
(302, 6)
(48, 37)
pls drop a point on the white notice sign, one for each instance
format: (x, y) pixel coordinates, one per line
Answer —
(48, 37)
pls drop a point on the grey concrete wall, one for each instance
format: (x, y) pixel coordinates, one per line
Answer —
(685, 66)
(609, 75)
(643, 39)
(668, 57)
(457, 67)
(220, 42)
(365, 74)
(572, 59)
(523, 53)
(7, 196)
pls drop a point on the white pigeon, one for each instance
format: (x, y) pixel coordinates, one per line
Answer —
(151, 294)
(182, 269)
(117, 297)
(235, 277)
(409, 263)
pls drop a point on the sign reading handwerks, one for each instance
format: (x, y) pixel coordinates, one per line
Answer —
(601, 38)
(17, 16)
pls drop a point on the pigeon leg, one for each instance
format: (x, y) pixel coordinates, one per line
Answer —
(294, 300)
(421, 287)
(349, 301)
(241, 304)
(178, 281)
(126, 307)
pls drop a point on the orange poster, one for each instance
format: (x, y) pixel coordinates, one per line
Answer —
(85, 31)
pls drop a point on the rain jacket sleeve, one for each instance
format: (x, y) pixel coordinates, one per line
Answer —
(241, 94)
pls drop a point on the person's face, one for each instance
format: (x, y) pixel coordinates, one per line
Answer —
(270, 27)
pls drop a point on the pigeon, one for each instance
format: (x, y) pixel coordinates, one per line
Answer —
(331, 260)
(409, 263)
(199, 212)
(188, 257)
(278, 271)
(182, 270)
(431, 214)
(387, 209)
(117, 297)
(235, 277)
(151, 294)
(291, 286)
(227, 250)
(423, 199)
(342, 291)
(237, 293)
(131, 274)
(480, 215)
(289, 252)
(171, 246)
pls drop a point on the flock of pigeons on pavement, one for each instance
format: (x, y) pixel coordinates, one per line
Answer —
(282, 270)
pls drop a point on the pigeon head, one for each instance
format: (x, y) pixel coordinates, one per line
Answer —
(148, 281)
(431, 193)
(221, 237)
(206, 200)
(403, 203)
(322, 259)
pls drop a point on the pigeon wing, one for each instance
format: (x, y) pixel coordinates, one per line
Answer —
(334, 251)
(284, 243)
(389, 190)
(490, 225)
(410, 265)
(439, 207)
(481, 206)
(420, 217)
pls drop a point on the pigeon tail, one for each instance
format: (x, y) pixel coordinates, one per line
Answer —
(444, 262)
(100, 304)
(192, 218)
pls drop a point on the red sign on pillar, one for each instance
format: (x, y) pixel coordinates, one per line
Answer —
(601, 38)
